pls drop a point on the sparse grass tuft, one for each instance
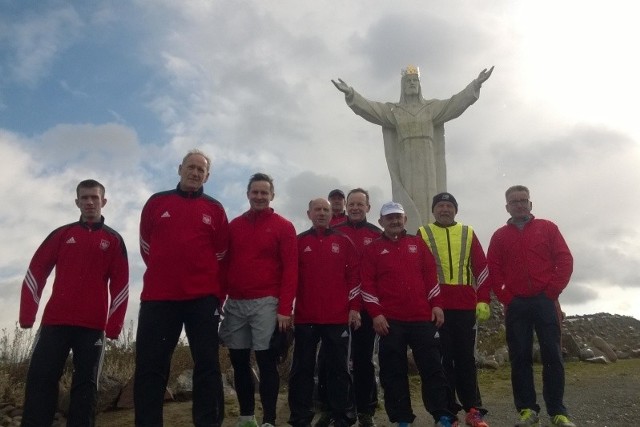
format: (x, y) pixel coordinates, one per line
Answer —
(15, 349)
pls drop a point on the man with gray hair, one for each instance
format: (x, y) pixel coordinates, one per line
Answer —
(183, 239)
(531, 265)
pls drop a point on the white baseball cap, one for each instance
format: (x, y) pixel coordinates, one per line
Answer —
(391, 208)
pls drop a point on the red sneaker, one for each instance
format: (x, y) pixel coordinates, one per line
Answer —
(474, 418)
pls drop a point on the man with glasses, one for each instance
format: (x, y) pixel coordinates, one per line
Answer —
(530, 265)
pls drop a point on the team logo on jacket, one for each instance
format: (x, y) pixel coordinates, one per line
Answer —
(367, 240)
(335, 248)
(71, 240)
(307, 249)
(413, 249)
(104, 244)
(206, 219)
(165, 215)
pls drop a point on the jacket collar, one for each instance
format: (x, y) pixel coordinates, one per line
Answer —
(189, 194)
(401, 236)
(254, 215)
(92, 225)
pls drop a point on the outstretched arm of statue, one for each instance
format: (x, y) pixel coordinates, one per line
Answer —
(342, 86)
(484, 75)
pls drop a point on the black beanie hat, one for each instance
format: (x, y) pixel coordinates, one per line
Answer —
(444, 197)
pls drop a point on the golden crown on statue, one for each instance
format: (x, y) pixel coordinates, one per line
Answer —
(411, 69)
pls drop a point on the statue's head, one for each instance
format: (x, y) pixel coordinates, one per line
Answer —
(410, 83)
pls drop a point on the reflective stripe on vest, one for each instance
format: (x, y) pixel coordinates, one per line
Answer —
(451, 247)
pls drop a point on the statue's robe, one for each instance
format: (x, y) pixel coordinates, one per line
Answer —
(414, 146)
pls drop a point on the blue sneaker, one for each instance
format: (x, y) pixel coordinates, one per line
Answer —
(446, 421)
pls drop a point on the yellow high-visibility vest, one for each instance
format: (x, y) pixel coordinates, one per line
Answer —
(451, 247)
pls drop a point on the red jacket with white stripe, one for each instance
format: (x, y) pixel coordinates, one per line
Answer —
(91, 269)
(183, 239)
(399, 279)
(263, 258)
(329, 279)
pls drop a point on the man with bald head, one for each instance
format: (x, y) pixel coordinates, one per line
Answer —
(327, 303)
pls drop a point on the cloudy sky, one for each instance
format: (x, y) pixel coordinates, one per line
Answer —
(119, 91)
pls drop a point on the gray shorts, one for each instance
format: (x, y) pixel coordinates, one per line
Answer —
(248, 323)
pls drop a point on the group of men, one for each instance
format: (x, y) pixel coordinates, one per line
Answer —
(351, 282)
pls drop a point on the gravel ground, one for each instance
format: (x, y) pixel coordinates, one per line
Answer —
(596, 395)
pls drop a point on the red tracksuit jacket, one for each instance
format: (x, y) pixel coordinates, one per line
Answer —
(183, 239)
(329, 279)
(91, 269)
(361, 233)
(399, 279)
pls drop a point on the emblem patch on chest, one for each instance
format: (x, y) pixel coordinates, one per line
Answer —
(413, 249)
(335, 248)
(206, 219)
(104, 244)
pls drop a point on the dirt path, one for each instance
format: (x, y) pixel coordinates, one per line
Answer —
(596, 395)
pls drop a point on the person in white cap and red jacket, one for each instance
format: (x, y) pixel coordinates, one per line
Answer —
(400, 291)
(465, 285)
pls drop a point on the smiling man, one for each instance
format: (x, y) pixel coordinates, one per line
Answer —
(401, 293)
(261, 284)
(183, 240)
(361, 232)
(464, 282)
(89, 298)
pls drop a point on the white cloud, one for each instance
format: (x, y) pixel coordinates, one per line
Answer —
(249, 82)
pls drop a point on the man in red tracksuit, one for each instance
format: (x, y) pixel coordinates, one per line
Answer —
(327, 302)
(183, 239)
(400, 291)
(262, 275)
(89, 298)
(465, 288)
(361, 232)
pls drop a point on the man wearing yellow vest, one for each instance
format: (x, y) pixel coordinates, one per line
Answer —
(464, 281)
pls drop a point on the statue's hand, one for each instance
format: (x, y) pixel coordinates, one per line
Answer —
(484, 75)
(341, 85)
